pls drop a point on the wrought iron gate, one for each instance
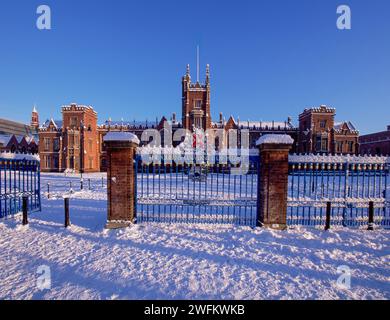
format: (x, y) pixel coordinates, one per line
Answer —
(196, 193)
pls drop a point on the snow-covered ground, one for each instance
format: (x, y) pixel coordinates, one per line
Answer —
(180, 261)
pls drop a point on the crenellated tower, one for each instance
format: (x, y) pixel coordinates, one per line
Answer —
(196, 102)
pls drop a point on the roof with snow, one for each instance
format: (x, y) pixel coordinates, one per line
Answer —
(265, 125)
(335, 159)
(5, 138)
(262, 125)
(344, 125)
(138, 124)
(121, 136)
(56, 123)
(321, 109)
(77, 107)
(275, 139)
(19, 156)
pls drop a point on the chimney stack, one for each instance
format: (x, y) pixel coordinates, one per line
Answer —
(220, 117)
(173, 117)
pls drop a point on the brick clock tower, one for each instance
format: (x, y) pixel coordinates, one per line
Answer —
(196, 102)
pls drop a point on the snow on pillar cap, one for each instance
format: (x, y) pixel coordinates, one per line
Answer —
(121, 136)
(275, 139)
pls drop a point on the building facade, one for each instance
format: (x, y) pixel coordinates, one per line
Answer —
(72, 143)
(196, 114)
(375, 143)
(75, 143)
(319, 133)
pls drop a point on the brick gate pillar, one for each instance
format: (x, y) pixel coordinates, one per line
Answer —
(121, 148)
(273, 180)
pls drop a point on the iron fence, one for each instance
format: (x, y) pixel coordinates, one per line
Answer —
(349, 184)
(18, 177)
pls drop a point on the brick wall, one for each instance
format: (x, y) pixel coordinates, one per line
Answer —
(375, 143)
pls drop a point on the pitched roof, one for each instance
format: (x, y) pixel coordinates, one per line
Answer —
(262, 124)
(56, 123)
(344, 124)
(5, 138)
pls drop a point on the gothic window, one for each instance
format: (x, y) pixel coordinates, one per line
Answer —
(55, 160)
(47, 144)
(90, 163)
(71, 141)
(198, 104)
(56, 144)
(76, 141)
(47, 162)
(71, 163)
(318, 143)
(324, 145)
(198, 122)
(73, 121)
(350, 146)
(323, 124)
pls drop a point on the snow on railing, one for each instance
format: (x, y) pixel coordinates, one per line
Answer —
(179, 150)
(19, 156)
(338, 159)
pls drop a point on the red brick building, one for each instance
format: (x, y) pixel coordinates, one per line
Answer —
(72, 143)
(319, 133)
(196, 113)
(375, 143)
(76, 142)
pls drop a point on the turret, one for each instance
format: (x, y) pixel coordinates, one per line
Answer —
(34, 123)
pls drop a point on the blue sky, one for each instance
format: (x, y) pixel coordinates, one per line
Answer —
(268, 59)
